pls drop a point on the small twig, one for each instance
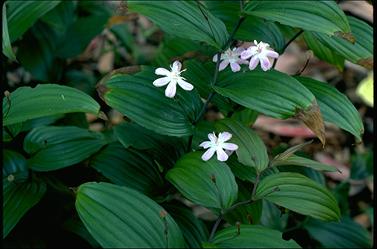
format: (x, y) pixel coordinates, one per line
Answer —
(304, 67)
(287, 44)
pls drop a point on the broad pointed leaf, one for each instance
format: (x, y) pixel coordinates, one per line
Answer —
(300, 194)
(127, 217)
(27, 103)
(208, 183)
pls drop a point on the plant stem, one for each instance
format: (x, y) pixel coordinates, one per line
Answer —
(287, 44)
(255, 186)
(214, 228)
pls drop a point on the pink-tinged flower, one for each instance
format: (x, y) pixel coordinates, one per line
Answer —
(172, 78)
(231, 57)
(259, 53)
(218, 145)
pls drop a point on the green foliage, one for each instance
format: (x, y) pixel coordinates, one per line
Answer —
(137, 175)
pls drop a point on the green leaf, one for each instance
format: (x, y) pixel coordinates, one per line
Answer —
(137, 98)
(123, 211)
(11, 131)
(207, 183)
(193, 229)
(251, 236)
(319, 16)
(164, 149)
(251, 149)
(22, 15)
(241, 171)
(302, 161)
(335, 106)
(189, 20)
(343, 234)
(76, 226)
(360, 52)
(266, 92)
(7, 47)
(42, 121)
(15, 168)
(323, 52)
(54, 147)
(246, 116)
(79, 34)
(128, 167)
(37, 55)
(48, 99)
(19, 195)
(299, 194)
(272, 217)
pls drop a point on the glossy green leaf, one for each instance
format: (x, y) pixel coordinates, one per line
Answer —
(54, 147)
(319, 16)
(344, 234)
(22, 15)
(335, 107)
(251, 236)
(361, 52)
(251, 149)
(299, 194)
(323, 52)
(128, 167)
(7, 47)
(43, 100)
(208, 183)
(19, 195)
(123, 211)
(193, 229)
(185, 19)
(137, 98)
(266, 92)
(11, 131)
(302, 161)
(202, 129)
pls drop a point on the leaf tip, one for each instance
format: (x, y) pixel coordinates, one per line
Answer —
(312, 118)
(346, 35)
(366, 62)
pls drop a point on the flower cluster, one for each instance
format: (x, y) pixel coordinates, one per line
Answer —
(259, 52)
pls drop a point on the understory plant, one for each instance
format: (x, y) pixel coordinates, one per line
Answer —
(141, 182)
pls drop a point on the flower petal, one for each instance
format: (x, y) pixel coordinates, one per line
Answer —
(265, 63)
(162, 71)
(223, 65)
(212, 137)
(235, 67)
(239, 50)
(176, 66)
(214, 58)
(245, 62)
(208, 154)
(247, 54)
(161, 81)
(271, 53)
(230, 146)
(185, 85)
(171, 89)
(253, 62)
(205, 144)
(224, 136)
(221, 155)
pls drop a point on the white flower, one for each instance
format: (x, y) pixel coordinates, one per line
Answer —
(218, 145)
(259, 53)
(171, 79)
(231, 57)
